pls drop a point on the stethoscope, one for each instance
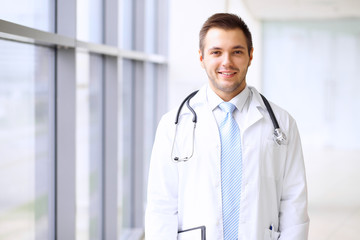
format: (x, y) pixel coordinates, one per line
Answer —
(279, 136)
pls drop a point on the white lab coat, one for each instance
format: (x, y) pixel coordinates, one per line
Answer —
(188, 194)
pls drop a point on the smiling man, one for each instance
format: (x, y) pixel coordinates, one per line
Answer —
(225, 58)
(231, 176)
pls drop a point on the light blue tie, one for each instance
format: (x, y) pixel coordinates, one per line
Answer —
(231, 171)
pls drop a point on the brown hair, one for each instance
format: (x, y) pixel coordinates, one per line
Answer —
(226, 21)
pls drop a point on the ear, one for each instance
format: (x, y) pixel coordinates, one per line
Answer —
(201, 58)
(251, 56)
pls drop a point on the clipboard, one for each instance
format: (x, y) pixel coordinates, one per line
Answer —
(193, 233)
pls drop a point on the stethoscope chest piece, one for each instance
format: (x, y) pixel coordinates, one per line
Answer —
(279, 136)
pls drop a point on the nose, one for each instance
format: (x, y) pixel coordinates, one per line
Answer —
(226, 61)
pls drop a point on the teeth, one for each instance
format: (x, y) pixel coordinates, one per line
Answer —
(228, 74)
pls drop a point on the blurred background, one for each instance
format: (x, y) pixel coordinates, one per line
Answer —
(84, 83)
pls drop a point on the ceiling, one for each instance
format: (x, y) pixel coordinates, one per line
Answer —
(303, 9)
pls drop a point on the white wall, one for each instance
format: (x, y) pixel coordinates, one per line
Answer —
(186, 19)
(254, 73)
(311, 68)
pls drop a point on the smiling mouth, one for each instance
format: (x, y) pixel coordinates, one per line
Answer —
(227, 74)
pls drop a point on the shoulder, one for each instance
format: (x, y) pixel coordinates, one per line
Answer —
(196, 101)
(168, 119)
(283, 117)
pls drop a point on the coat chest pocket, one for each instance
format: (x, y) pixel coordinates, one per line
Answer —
(273, 159)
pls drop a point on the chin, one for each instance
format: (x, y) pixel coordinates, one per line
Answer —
(225, 87)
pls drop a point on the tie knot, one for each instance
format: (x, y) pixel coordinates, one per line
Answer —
(227, 107)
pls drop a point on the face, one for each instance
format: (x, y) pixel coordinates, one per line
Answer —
(226, 59)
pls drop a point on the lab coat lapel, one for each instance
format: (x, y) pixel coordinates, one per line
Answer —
(207, 138)
(255, 107)
(207, 126)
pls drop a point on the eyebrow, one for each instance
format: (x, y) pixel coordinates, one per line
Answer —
(239, 46)
(235, 47)
(214, 48)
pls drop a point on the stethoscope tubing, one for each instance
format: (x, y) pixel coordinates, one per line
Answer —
(191, 95)
(279, 136)
(187, 101)
(271, 112)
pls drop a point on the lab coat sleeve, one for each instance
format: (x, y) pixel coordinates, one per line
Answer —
(161, 220)
(293, 217)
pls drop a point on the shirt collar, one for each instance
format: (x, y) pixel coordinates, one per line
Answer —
(239, 100)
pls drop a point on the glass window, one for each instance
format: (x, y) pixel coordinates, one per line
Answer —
(125, 149)
(151, 27)
(137, 126)
(38, 14)
(89, 150)
(26, 141)
(90, 20)
(150, 113)
(127, 25)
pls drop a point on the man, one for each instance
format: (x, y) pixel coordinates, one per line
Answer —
(238, 183)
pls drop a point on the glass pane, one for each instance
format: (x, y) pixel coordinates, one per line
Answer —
(126, 37)
(26, 141)
(125, 150)
(151, 26)
(90, 20)
(150, 110)
(38, 14)
(89, 146)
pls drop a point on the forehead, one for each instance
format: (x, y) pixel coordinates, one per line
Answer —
(217, 37)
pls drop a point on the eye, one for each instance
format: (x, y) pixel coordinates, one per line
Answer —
(238, 52)
(215, 53)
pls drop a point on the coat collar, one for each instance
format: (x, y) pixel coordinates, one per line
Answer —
(256, 108)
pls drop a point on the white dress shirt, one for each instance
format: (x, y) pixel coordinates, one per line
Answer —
(241, 101)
